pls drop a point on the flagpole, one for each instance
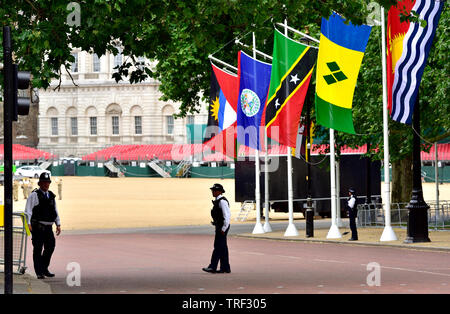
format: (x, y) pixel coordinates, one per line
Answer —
(267, 227)
(333, 233)
(298, 32)
(388, 233)
(223, 63)
(258, 226)
(338, 195)
(291, 229)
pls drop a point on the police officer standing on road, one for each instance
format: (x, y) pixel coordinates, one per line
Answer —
(352, 213)
(41, 214)
(221, 220)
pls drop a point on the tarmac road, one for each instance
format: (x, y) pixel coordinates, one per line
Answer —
(169, 261)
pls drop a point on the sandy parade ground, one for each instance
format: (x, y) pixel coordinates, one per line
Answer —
(103, 203)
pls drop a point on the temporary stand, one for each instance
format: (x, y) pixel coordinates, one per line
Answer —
(333, 233)
(388, 233)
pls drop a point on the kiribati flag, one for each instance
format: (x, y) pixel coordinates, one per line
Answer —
(253, 88)
(408, 45)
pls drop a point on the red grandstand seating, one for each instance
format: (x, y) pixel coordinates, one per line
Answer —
(21, 152)
(179, 152)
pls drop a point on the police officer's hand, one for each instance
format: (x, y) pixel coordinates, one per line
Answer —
(58, 230)
(29, 228)
(222, 232)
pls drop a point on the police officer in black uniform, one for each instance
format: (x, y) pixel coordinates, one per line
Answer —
(352, 213)
(221, 220)
(41, 214)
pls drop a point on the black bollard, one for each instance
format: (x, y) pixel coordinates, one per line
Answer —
(309, 216)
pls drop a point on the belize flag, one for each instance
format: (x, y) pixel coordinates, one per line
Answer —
(408, 45)
(253, 89)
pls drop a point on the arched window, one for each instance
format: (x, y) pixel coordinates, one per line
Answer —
(136, 115)
(114, 114)
(52, 113)
(71, 115)
(91, 113)
(169, 123)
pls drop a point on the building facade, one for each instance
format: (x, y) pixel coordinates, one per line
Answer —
(75, 120)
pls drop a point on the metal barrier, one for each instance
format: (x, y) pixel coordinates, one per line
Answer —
(372, 215)
(20, 234)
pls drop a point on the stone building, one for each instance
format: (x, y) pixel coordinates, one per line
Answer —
(97, 112)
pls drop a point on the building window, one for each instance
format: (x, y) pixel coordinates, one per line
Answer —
(169, 121)
(138, 125)
(118, 58)
(95, 63)
(141, 63)
(191, 119)
(74, 125)
(74, 66)
(54, 124)
(93, 125)
(115, 125)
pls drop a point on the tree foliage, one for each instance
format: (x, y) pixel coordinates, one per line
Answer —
(181, 35)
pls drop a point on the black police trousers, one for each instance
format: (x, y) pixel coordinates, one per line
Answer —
(352, 213)
(43, 241)
(220, 252)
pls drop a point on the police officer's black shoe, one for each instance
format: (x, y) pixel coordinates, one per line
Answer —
(351, 239)
(221, 271)
(40, 276)
(49, 274)
(209, 270)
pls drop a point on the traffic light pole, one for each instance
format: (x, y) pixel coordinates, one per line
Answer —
(8, 158)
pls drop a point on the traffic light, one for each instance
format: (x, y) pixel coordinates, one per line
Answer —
(21, 80)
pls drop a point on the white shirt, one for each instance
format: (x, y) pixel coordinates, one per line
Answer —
(32, 201)
(226, 212)
(351, 202)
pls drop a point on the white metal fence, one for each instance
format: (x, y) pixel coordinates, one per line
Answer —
(372, 215)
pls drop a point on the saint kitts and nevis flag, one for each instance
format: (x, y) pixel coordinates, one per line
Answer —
(220, 133)
(292, 67)
(341, 51)
(408, 45)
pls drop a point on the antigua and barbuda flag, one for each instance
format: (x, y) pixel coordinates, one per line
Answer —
(408, 45)
(220, 134)
(341, 51)
(253, 88)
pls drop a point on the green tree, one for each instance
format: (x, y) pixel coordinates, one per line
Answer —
(181, 35)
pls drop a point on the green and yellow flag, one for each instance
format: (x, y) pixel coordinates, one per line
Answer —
(341, 51)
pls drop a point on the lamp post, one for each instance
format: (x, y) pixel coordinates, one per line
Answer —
(417, 230)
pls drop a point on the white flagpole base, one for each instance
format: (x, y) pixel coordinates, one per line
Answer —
(258, 229)
(291, 231)
(267, 227)
(388, 234)
(334, 233)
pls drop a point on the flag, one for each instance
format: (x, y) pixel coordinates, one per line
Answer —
(408, 45)
(292, 67)
(341, 51)
(253, 88)
(299, 147)
(220, 134)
